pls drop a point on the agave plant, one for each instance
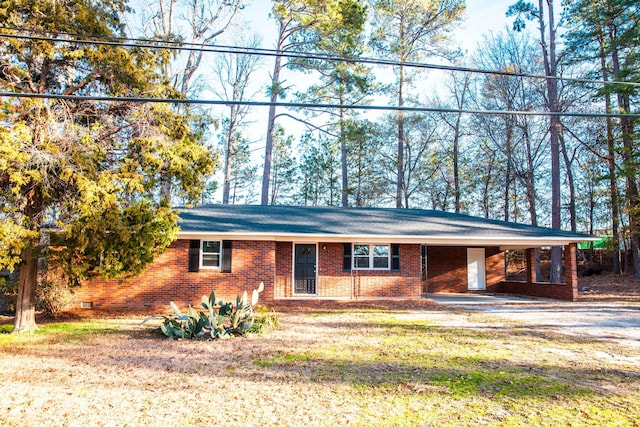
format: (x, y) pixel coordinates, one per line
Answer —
(221, 320)
(183, 325)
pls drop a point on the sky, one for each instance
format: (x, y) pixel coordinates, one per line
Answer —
(481, 16)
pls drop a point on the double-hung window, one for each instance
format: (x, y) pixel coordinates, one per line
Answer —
(371, 257)
(210, 254)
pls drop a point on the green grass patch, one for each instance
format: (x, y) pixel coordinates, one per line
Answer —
(58, 332)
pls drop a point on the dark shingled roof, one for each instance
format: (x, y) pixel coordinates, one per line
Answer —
(333, 223)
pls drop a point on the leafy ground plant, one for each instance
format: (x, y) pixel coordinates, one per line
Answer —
(220, 320)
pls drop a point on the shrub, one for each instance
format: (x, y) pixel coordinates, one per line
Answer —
(8, 294)
(53, 296)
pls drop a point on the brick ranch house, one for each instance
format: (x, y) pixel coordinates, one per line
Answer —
(303, 253)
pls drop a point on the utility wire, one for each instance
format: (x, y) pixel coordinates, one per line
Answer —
(310, 105)
(212, 48)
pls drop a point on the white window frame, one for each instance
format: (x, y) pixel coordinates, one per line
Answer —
(371, 257)
(214, 267)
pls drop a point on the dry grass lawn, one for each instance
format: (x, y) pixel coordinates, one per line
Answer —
(414, 364)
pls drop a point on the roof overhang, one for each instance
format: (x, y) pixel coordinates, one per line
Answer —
(505, 242)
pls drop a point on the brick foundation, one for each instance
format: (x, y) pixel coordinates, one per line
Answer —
(560, 291)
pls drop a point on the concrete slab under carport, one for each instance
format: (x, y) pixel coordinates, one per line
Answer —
(472, 299)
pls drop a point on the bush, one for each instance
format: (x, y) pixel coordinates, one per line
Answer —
(52, 293)
(8, 294)
(53, 297)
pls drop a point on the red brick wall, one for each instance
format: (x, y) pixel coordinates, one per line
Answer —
(563, 291)
(168, 279)
(494, 266)
(332, 281)
(335, 283)
(571, 271)
(560, 291)
(284, 270)
(447, 268)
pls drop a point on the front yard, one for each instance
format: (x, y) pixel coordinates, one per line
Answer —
(389, 366)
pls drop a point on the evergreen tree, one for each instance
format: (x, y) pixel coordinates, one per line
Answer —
(408, 30)
(284, 169)
(544, 16)
(299, 24)
(606, 32)
(91, 170)
(340, 83)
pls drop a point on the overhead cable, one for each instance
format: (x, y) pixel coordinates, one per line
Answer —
(310, 105)
(238, 50)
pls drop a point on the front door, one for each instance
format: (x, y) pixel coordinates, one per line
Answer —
(476, 269)
(304, 270)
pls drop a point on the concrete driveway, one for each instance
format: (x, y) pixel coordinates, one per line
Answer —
(465, 300)
(600, 320)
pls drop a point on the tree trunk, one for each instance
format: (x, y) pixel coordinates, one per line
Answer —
(343, 154)
(507, 173)
(613, 190)
(630, 163)
(274, 185)
(456, 172)
(400, 158)
(25, 320)
(359, 176)
(460, 97)
(631, 170)
(268, 149)
(613, 186)
(572, 190)
(227, 157)
(550, 66)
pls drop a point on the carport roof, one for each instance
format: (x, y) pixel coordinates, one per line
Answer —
(371, 225)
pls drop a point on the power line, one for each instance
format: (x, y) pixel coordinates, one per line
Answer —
(311, 105)
(239, 50)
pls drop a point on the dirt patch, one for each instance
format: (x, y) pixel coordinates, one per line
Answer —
(301, 306)
(609, 286)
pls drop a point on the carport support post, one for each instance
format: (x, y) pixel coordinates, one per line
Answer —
(571, 269)
(530, 256)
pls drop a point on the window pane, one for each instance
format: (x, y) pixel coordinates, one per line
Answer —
(211, 253)
(211, 260)
(361, 262)
(381, 250)
(211, 247)
(361, 250)
(380, 262)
